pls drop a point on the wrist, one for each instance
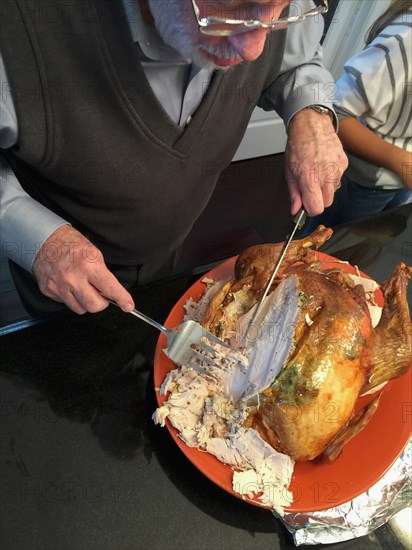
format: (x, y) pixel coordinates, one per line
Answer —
(325, 112)
(51, 246)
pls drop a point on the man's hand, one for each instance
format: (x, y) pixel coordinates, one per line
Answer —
(315, 161)
(70, 269)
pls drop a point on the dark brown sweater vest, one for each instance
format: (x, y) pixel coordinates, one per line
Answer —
(96, 147)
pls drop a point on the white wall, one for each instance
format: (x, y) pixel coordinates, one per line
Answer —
(264, 136)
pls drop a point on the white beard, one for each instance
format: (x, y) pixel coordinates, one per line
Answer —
(178, 28)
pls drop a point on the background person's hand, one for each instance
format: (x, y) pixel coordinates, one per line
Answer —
(70, 269)
(314, 161)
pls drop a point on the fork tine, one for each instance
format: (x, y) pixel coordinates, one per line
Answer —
(200, 369)
(195, 366)
(213, 338)
(206, 347)
(204, 358)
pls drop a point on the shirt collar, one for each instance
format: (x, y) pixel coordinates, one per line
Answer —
(147, 36)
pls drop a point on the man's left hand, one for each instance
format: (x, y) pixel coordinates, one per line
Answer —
(315, 161)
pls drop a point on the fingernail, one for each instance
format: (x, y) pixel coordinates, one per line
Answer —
(128, 307)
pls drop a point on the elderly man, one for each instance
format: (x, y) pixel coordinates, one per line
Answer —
(118, 117)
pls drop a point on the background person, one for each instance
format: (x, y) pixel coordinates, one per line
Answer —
(374, 105)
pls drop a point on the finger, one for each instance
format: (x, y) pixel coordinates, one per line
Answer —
(73, 304)
(77, 294)
(66, 297)
(328, 193)
(109, 287)
(296, 204)
(304, 189)
(89, 298)
(70, 300)
(312, 198)
(295, 196)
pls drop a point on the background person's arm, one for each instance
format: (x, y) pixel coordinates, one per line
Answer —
(360, 141)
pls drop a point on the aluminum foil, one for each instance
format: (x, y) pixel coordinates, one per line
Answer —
(362, 515)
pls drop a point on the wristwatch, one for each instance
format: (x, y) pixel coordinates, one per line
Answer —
(324, 111)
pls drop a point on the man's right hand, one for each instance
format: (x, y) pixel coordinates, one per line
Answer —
(70, 269)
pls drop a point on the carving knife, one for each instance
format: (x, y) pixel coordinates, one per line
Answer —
(299, 221)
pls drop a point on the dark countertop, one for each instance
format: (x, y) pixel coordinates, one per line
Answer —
(81, 464)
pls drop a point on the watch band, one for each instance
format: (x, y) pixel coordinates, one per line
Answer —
(324, 111)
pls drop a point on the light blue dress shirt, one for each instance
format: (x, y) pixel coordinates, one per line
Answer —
(179, 86)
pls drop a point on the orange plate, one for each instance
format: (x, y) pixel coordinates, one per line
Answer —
(363, 461)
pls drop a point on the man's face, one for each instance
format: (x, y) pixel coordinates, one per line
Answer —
(177, 25)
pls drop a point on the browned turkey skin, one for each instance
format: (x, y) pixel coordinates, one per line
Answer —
(253, 269)
(314, 395)
(308, 410)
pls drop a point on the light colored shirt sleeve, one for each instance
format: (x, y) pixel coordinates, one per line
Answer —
(303, 80)
(24, 223)
(375, 83)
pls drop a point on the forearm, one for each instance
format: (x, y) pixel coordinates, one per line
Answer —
(362, 142)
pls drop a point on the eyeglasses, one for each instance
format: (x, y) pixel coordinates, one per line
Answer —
(220, 26)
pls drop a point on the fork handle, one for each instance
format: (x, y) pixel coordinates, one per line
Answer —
(142, 316)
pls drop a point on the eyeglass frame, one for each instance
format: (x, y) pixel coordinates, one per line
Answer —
(245, 25)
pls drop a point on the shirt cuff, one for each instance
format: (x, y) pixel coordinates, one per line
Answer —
(24, 228)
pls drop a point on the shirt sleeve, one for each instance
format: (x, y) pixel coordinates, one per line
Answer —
(8, 119)
(24, 223)
(376, 82)
(355, 94)
(374, 78)
(303, 80)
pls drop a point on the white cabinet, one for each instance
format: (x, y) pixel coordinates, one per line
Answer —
(265, 135)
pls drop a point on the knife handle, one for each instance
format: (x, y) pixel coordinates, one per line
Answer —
(300, 218)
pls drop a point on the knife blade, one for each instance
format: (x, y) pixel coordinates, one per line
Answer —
(299, 221)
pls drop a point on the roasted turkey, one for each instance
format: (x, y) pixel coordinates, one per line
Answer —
(319, 351)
